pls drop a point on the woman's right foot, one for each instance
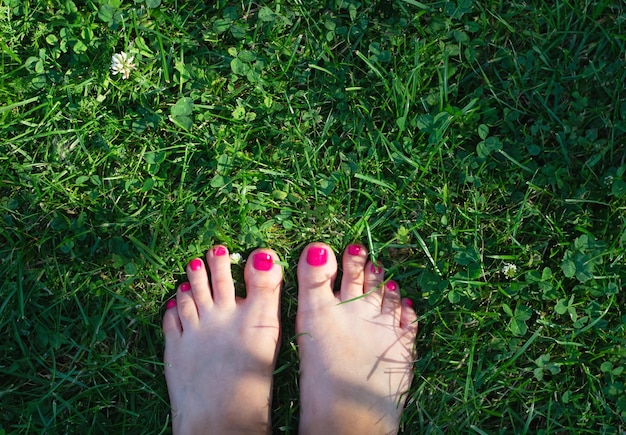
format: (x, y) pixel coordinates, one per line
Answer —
(356, 346)
(220, 350)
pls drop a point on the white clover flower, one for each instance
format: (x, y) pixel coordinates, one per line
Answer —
(509, 270)
(235, 258)
(122, 63)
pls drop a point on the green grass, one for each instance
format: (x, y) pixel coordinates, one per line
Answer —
(451, 137)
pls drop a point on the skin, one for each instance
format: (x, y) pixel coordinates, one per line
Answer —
(356, 354)
(220, 350)
(356, 351)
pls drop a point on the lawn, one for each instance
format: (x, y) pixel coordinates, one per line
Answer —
(478, 150)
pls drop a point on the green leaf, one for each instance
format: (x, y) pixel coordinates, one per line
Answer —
(183, 107)
(238, 31)
(533, 150)
(266, 15)
(218, 181)
(583, 243)
(230, 13)
(151, 4)
(154, 157)
(518, 327)
(247, 56)
(239, 113)
(618, 189)
(567, 265)
(584, 265)
(561, 306)
(238, 67)
(130, 268)
(147, 185)
(221, 25)
(523, 313)
(52, 39)
(489, 145)
(79, 47)
(181, 113)
(184, 122)
(454, 297)
(483, 131)
(81, 180)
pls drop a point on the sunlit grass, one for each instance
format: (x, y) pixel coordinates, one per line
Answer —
(452, 138)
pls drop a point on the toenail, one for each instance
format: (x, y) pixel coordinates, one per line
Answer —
(391, 286)
(408, 302)
(171, 303)
(195, 264)
(317, 256)
(218, 251)
(185, 287)
(262, 261)
(376, 268)
(354, 249)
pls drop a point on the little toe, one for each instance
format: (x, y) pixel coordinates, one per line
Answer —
(222, 285)
(199, 281)
(171, 321)
(263, 275)
(317, 270)
(353, 279)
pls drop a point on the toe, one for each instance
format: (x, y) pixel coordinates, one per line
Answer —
(186, 306)
(171, 321)
(263, 275)
(391, 302)
(197, 276)
(374, 277)
(408, 317)
(222, 285)
(353, 260)
(317, 270)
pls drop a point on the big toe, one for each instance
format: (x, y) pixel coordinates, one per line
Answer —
(317, 270)
(263, 275)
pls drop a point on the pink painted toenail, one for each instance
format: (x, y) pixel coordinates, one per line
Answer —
(195, 264)
(317, 256)
(354, 249)
(171, 303)
(185, 287)
(392, 286)
(262, 261)
(218, 251)
(376, 268)
(408, 302)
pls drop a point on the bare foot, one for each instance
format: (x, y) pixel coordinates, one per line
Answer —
(220, 350)
(356, 355)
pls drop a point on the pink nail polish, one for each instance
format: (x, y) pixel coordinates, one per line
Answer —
(376, 268)
(218, 251)
(354, 249)
(317, 256)
(171, 304)
(195, 264)
(408, 302)
(262, 261)
(185, 287)
(392, 286)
